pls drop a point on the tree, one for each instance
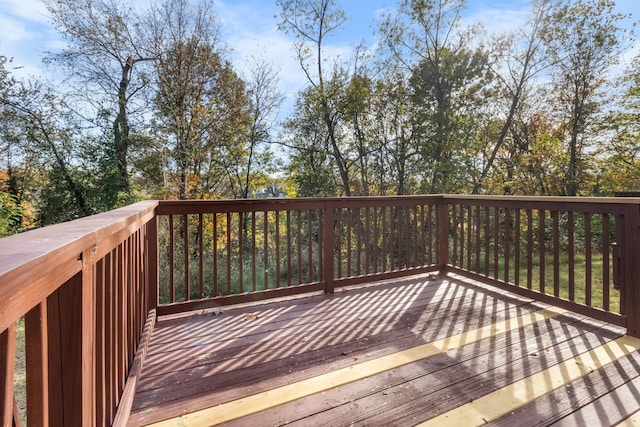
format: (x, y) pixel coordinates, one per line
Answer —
(38, 136)
(202, 105)
(584, 38)
(311, 22)
(520, 56)
(396, 160)
(252, 171)
(310, 166)
(531, 160)
(446, 78)
(621, 167)
(103, 59)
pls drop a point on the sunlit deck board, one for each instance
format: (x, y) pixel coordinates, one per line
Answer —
(198, 362)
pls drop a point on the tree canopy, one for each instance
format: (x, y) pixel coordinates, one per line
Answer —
(152, 105)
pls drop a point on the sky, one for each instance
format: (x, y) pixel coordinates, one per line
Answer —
(250, 29)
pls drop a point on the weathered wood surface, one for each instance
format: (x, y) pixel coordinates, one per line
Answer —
(207, 359)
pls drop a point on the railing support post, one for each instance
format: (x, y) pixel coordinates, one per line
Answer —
(630, 266)
(328, 242)
(443, 236)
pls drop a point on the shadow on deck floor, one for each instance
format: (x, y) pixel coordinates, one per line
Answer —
(417, 351)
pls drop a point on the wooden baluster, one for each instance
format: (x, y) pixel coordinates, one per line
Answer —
(37, 363)
(469, 236)
(517, 249)
(454, 237)
(541, 242)
(496, 243)
(7, 370)
(478, 229)
(171, 260)
(338, 241)
(265, 231)
(376, 241)
(529, 249)
(310, 245)
(320, 249)
(153, 266)
(228, 245)
(556, 253)
(461, 226)
(385, 239)
(200, 257)
(289, 272)
(241, 252)
(254, 251)
(572, 256)
(277, 240)
(606, 257)
(216, 290)
(588, 259)
(368, 243)
(507, 243)
(328, 244)
(299, 241)
(186, 249)
(487, 239)
(443, 237)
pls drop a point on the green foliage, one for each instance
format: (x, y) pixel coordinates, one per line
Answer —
(621, 168)
(152, 107)
(584, 39)
(11, 213)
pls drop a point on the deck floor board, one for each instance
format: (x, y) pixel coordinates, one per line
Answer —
(210, 358)
(438, 384)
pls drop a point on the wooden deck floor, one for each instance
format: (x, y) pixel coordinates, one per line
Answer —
(418, 351)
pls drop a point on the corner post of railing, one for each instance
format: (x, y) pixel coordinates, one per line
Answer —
(630, 266)
(328, 242)
(443, 235)
(152, 266)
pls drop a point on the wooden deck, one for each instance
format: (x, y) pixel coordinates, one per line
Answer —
(418, 351)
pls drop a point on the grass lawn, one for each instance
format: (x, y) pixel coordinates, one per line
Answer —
(579, 279)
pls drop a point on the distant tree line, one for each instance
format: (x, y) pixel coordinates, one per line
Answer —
(443, 107)
(152, 107)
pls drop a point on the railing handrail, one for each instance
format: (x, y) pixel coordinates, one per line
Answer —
(546, 199)
(34, 263)
(576, 204)
(177, 207)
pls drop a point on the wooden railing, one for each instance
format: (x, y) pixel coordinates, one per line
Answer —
(569, 252)
(225, 252)
(81, 292)
(85, 294)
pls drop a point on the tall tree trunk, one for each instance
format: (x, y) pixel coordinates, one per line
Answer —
(503, 134)
(121, 140)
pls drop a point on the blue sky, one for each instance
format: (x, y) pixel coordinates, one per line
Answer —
(250, 28)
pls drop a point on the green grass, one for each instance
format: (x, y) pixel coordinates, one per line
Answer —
(20, 375)
(579, 279)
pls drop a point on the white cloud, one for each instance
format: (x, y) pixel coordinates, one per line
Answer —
(13, 30)
(251, 30)
(27, 10)
(499, 20)
(26, 34)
